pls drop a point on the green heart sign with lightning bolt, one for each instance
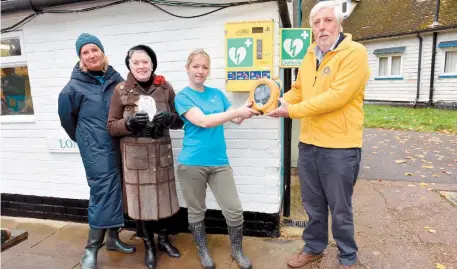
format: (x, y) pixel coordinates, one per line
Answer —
(240, 52)
(294, 44)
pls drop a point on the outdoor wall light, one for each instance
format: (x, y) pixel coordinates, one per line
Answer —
(264, 94)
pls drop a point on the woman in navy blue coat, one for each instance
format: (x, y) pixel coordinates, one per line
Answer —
(83, 111)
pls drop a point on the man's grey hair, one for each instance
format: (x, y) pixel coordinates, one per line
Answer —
(337, 11)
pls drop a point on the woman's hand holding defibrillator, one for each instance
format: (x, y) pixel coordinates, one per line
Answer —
(245, 112)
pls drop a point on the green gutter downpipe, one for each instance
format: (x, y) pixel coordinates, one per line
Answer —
(287, 122)
(299, 14)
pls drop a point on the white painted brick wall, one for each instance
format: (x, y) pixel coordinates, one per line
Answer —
(28, 167)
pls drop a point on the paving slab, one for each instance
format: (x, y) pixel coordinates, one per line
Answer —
(38, 230)
(65, 242)
(27, 261)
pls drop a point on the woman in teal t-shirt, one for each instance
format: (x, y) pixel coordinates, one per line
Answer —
(203, 160)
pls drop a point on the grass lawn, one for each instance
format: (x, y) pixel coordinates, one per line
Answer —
(406, 118)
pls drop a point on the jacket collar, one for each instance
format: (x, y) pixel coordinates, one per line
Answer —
(78, 74)
(131, 83)
(344, 44)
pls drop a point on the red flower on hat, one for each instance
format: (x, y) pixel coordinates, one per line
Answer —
(159, 80)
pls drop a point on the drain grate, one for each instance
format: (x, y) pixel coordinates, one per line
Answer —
(294, 223)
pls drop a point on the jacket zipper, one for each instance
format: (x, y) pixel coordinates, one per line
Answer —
(319, 69)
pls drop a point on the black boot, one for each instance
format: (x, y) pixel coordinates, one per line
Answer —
(236, 239)
(165, 245)
(149, 247)
(113, 243)
(199, 233)
(94, 242)
(150, 253)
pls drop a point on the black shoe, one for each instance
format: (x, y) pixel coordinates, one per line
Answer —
(164, 245)
(94, 242)
(199, 233)
(150, 259)
(113, 243)
(236, 239)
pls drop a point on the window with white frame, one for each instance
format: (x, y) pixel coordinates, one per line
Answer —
(16, 96)
(450, 62)
(389, 63)
(448, 59)
(389, 66)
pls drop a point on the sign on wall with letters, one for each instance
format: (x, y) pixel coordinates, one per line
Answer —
(65, 145)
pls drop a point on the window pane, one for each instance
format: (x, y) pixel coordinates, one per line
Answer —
(16, 96)
(345, 7)
(10, 47)
(383, 66)
(450, 62)
(395, 71)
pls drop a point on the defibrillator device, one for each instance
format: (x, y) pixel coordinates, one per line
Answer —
(264, 94)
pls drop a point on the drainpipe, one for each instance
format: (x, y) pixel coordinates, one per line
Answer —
(299, 26)
(432, 73)
(435, 37)
(287, 123)
(419, 68)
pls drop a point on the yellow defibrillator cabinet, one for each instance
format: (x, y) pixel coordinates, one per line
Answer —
(249, 55)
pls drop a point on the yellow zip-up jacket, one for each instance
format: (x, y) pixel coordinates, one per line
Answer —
(329, 100)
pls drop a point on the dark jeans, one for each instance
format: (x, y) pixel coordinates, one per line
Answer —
(327, 179)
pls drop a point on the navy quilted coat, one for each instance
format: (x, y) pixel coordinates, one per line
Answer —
(83, 107)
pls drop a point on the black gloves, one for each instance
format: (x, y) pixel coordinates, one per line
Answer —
(156, 131)
(137, 121)
(139, 124)
(163, 118)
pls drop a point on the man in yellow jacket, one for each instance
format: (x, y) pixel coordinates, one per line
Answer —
(328, 98)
